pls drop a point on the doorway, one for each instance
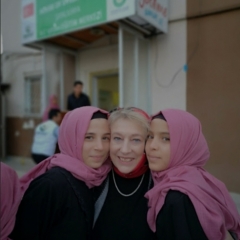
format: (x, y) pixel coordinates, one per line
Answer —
(105, 90)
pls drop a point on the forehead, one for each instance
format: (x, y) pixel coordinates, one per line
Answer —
(159, 125)
(98, 125)
(127, 127)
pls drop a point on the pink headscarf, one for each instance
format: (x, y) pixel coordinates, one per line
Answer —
(10, 200)
(51, 105)
(71, 137)
(189, 152)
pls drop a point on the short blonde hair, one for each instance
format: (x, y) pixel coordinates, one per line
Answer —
(132, 114)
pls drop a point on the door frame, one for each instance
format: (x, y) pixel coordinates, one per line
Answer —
(93, 83)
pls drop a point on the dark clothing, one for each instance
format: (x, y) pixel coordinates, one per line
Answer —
(178, 220)
(56, 206)
(74, 102)
(124, 218)
(37, 158)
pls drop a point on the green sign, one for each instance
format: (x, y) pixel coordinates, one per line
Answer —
(42, 19)
(55, 17)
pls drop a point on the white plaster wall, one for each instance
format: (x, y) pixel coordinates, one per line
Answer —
(96, 60)
(11, 26)
(177, 9)
(13, 72)
(17, 60)
(168, 57)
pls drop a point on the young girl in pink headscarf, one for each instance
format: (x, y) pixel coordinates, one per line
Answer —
(58, 201)
(52, 104)
(186, 201)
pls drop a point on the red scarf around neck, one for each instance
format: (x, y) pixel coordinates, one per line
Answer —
(139, 170)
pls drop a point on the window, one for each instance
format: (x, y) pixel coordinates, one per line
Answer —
(33, 96)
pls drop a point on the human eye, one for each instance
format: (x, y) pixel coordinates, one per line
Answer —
(166, 139)
(116, 138)
(136, 140)
(88, 137)
(106, 138)
(149, 137)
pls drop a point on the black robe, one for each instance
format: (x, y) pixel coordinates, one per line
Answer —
(178, 220)
(55, 206)
(124, 218)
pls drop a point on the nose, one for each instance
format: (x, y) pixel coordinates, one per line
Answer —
(154, 144)
(99, 144)
(125, 147)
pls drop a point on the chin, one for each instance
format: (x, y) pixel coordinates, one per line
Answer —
(96, 166)
(154, 168)
(124, 169)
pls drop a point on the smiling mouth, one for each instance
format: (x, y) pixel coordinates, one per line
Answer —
(125, 159)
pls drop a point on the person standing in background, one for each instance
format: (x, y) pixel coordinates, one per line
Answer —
(46, 136)
(77, 98)
(52, 104)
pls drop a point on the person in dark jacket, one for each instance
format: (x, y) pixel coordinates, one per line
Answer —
(121, 209)
(77, 98)
(186, 201)
(58, 201)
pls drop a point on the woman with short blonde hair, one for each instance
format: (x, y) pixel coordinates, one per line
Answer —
(121, 209)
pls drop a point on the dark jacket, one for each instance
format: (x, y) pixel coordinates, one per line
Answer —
(178, 220)
(56, 206)
(74, 102)
(123, 218)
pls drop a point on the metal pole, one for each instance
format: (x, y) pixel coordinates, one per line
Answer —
(62, 82)
(44, 81)
(136, 71)
(120, 58)
(95, 91)
(149, 80)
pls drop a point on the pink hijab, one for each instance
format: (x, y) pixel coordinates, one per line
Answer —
(189, 152)
(10, 200)
(71, 136)
(51, 105)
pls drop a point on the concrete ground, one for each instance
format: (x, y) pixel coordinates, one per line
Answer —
(20, 164)
(23, 165)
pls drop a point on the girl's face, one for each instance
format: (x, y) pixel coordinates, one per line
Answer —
(127, 144)
(158, 145)
(54, 100)
(96, 143)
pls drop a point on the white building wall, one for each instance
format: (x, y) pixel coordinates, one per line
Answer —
(17, 60)
(96, 60)
(14, 70)
(168, 57)
(11, 26)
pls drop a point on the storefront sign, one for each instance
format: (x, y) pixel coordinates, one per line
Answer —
(154, 12)
(43, 19)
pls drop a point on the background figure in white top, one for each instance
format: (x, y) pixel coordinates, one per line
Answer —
(46, 136)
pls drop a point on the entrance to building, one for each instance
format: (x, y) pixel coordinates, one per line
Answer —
(105, 91)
